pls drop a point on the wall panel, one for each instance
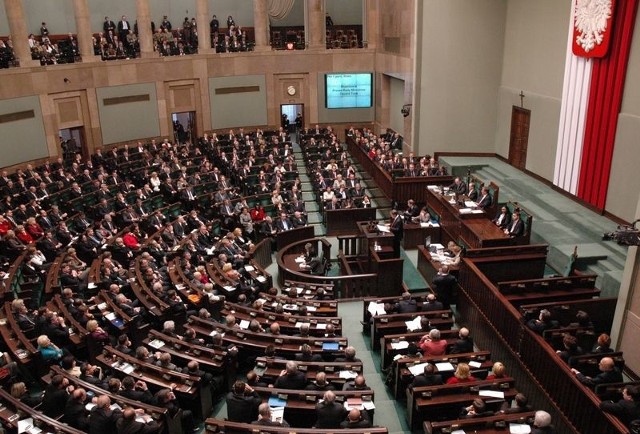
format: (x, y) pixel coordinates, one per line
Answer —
(22, 136)
(238, 101)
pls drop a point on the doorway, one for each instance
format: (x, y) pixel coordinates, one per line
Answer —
(292, 117)
(184, 127)
(72, 141)
(519, 138)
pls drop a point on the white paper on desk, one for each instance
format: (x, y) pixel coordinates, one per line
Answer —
(458, 431)
(299, 290)
(127, 368)
(347, 375)
(110, 316)
(321, 326)
(444, 366)
(25, 425)
(417, 369)
(433, 187)
(368, 405)
(414, 324)
(299, 324)
(492, 393)
(261, 279)
(469, 204)
(475, 364)
(349, 407)
(180, 286)
(115, 406)
(230, 288)
(277, 414)
(311, 309)
(384, 228)
(92, 285)
(465, 211)
(244, 324)
(400, 345)
(156, 343)
(519, 428)
(376, 308)
(249, 268)
(102, 306)
(299, 260)
(477, 211)
(437, 246)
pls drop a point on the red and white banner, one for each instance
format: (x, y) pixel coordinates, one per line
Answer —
(592, 21)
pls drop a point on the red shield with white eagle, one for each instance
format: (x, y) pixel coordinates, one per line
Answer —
(592, 21)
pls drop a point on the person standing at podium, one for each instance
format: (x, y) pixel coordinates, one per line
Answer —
(397, 229)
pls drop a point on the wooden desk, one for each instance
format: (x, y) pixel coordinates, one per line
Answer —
(444, 402)
(415, 235)
(479, 425)
(345, 221)
(474, 229)
(273, 367)
(429, 267)
(396, 323)
(214, 426)
(388, 340)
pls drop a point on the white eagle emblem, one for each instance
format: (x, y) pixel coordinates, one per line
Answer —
(591, 22)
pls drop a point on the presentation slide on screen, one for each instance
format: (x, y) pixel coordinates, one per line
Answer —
(348, 90)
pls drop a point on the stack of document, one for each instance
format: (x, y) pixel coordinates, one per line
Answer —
(400, 345)
(414, 324)
(376, 308)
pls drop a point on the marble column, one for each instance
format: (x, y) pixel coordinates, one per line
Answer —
(371, 23)
(19, 33)
(145, 38)
(316, 32)
(204, 31)
(261, 25)
(83, 31)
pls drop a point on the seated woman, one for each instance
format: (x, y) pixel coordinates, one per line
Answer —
(498, 371)
(571, 348)
(424, 217)
(49, 351)
(503, 218)
(456, 252)
(19, 391)
(462, 375)
(603, 345)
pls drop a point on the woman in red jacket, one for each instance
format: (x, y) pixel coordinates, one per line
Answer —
(462, 375)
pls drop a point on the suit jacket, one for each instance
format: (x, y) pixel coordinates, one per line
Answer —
(485, 201)
(516, 228)
(407, 306)
(602, 378)
(624, 410)
(267, 422)
(75, 415)
(427, 380)
(436, 305)
(397, 228)
(243, 408)
(330, 415)
(364, 421)
(280, 225)
(296, 381)
(462, 346)
(135, 427)
(103, 421)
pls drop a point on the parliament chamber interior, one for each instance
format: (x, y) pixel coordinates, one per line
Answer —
(320, 216)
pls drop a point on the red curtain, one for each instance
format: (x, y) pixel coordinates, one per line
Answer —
(605, 99)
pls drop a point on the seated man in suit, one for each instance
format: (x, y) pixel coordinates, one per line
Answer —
(291, 378)
(431, 303)
(464, 344)
(264, 417)
(484, 201)
(628, 408)
(242, 403)
(330, 413)
(608, 374)
(427, 378)
(313, 265)
(458, 187)
(516, 227)
(357, 419)
(406, 304)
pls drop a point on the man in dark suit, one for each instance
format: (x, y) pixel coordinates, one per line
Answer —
(108, 25)
(123, 29)
(357, 419)
(431, 303)
(444, 285)
(137, 391)
(458, 187)
(283, 223)
(485, 198)
(55, 396)
(397, 229)
(103, 419)
(242, 403)
(407, 304)
(427, 378)
(291, 378)
(626, 409)
(75, 414)
(516, 227)
(330, 413)
(608, 374)
(264, 417)
(464, 344)
(128, 424)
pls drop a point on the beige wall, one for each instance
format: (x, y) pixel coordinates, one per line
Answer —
(460, 66)
(533, 63)
(24, 139)
(128, 120)
(239, 108)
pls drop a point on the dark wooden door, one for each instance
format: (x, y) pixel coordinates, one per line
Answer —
(519, 139)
